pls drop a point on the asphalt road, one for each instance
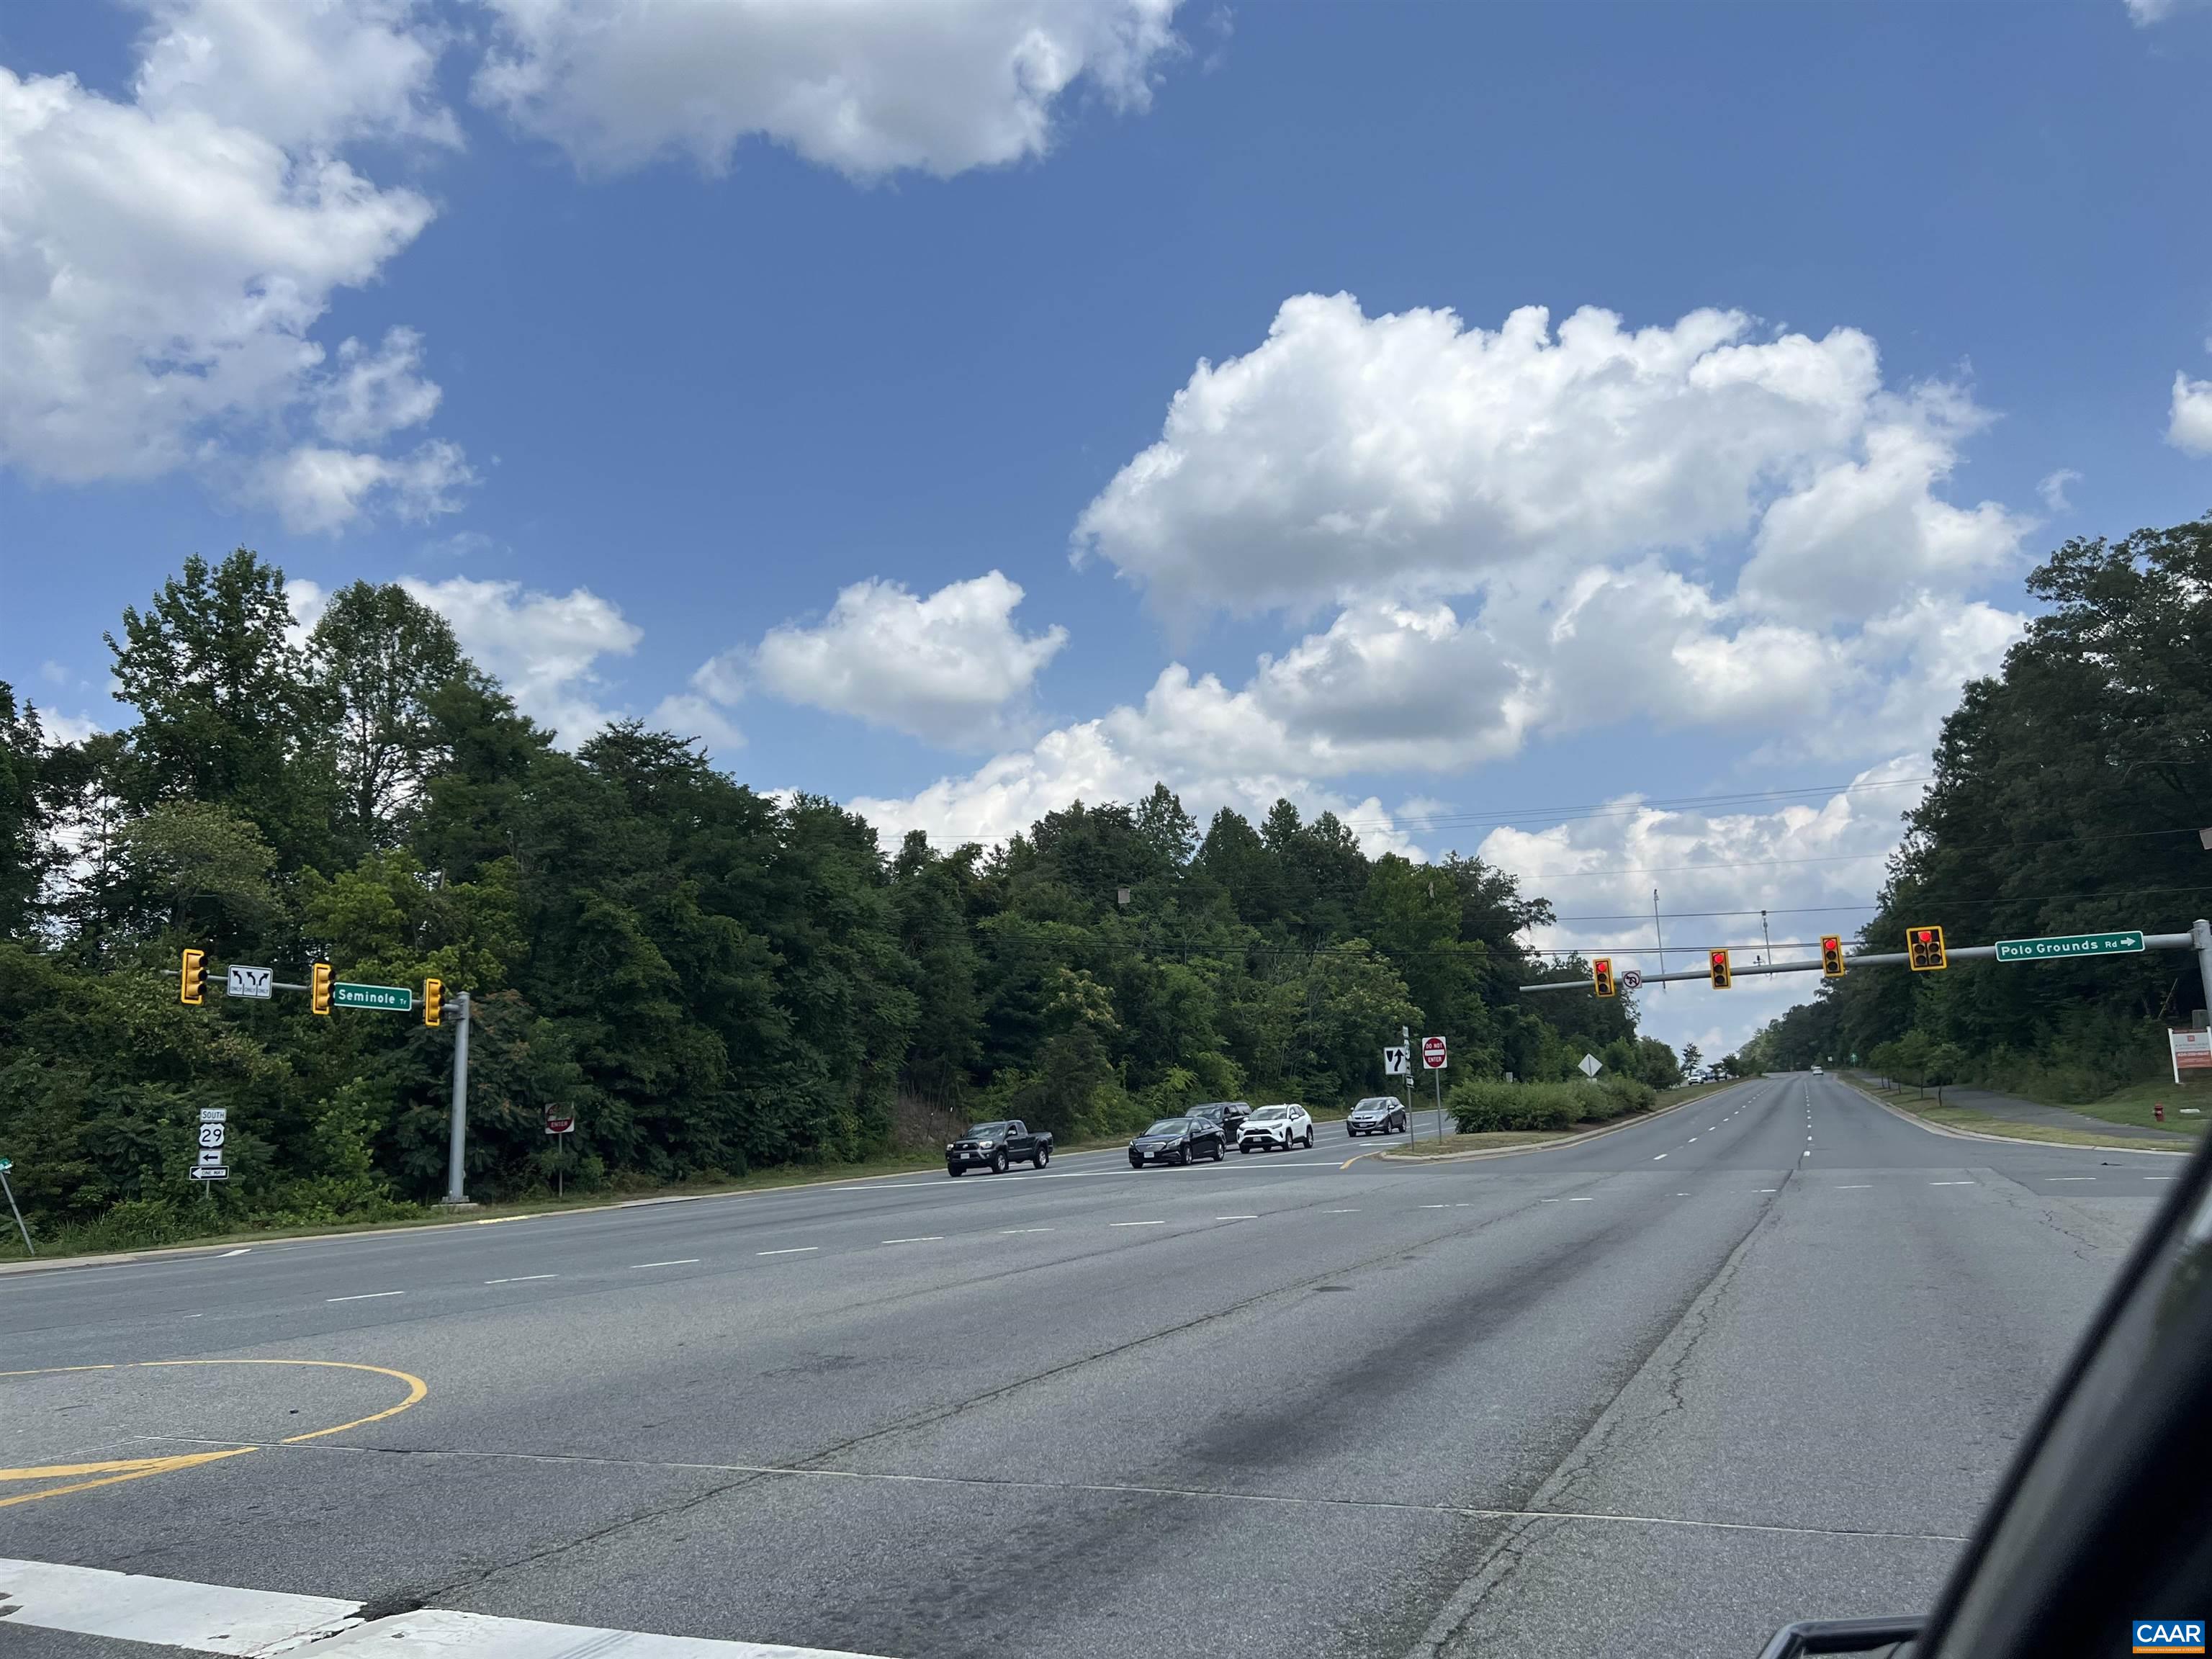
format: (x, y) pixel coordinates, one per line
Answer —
(1758, 1359)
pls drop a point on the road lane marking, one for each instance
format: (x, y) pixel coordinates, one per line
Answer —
(2158, 1178)
(1237, 1218)
(1436, 1206)
(246, 1250)
(2070, 1177)
(1024, 1230)
(1766, 1189)
(1656, 1159)
(923, 1238)
(796, 1250)
(1350, 1212)
(1581, 1201)
(521, 1278)
(680, 1262)
(1136, 1224)
(1854, 1187)
(1694, 1141)
(1950, 1184)
(366, 1296)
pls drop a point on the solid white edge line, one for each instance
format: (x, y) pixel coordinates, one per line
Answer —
(261, 1624)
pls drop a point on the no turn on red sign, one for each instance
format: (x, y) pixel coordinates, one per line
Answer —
(1432, 1053)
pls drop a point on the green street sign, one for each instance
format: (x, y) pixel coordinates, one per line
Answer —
(392, 999)
(2061, 946)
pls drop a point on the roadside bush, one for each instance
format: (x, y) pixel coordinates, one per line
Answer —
(1482, 1105)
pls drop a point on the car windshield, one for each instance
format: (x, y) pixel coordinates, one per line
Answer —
(840, 583)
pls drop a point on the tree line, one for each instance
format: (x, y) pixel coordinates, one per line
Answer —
(2069, 795)
(713, 980)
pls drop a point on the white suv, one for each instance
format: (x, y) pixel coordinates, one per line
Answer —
(1276, 1129)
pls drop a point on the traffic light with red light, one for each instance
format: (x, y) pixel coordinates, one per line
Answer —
(1924, 947)
(1832, 955)
(321, 976)
(192, 978)
(1602, 976)
(1722, 977)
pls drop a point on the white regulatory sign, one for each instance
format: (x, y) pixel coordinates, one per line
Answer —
(250, 982)
(1632, 981)
(1591, 1066)
(1394, 1062)
(1432, 1053)
(215, 1113)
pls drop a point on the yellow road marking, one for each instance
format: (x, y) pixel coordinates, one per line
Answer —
(143, 1467)
(112, 1474)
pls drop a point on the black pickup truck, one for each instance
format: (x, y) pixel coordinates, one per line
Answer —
(992, 1146)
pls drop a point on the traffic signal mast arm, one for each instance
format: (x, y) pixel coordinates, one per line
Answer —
(1872, 959)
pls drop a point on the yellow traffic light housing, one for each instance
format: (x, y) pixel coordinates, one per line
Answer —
(1602, 976)
(192, 978)
(1924, 946)
(321, 976)
(1832, 955)
(433, 1000)
(1722, 977)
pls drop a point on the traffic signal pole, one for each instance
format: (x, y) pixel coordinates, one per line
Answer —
(457, 1139)
(2198, 939)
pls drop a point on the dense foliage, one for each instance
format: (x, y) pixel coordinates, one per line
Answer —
(2068, 797)
(712, 979)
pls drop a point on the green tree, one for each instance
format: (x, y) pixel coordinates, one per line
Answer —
(381, 658)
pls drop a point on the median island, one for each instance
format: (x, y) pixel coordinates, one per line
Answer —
(1487, 1115)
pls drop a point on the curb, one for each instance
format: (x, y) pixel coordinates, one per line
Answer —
(2008, 1140)
(1540, 1145)
(187, 1252)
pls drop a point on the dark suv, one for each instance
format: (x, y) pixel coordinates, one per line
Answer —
(1229, 1114)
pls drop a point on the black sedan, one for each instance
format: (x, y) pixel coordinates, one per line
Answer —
(1177, 1140)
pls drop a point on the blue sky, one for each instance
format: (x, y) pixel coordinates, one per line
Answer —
(673, 324)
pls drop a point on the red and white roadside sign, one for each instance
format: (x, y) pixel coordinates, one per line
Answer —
(558, 1121)
(2192, 1052)
(1432, 1053)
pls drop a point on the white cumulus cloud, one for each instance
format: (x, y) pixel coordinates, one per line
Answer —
(163, 261)
(1815, 867)
(866, 86)
(2189, 427)
(545, 649)
(951, 667)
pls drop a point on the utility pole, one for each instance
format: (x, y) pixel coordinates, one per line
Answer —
(1659, 935)
(2200, 935)
(457, 1142)
(1406, 1037)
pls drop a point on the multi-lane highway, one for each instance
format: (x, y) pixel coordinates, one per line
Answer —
(1756, 1358)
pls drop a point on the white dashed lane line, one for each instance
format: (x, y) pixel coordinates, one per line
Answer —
(366, 1296)
(1024, 1230)
(1237, 1218)
(681, 1262)
(2070, 1177)
(924, 1238)
(799, 1249)
(1136, 1224)
(521, 1278)
(1951, 1183)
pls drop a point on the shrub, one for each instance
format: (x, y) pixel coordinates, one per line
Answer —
(1481, 1105)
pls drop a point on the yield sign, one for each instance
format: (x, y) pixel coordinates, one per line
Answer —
(1432, 1053)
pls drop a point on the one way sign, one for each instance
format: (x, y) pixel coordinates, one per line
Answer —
(1394, 1062)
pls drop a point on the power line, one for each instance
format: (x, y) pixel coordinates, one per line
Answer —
(1531, 879)
(1507, 818)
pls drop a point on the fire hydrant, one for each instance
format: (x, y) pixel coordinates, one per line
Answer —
(2157, 1111)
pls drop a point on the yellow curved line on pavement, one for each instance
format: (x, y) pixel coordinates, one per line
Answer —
(114, 1472)
(416, 1388)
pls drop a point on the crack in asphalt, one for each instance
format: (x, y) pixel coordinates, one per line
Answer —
(1115, 1488)
(1503, 1558)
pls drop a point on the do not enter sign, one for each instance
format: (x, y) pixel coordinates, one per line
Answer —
(1432, 1053)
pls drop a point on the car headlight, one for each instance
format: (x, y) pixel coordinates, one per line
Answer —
(984, 1146)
